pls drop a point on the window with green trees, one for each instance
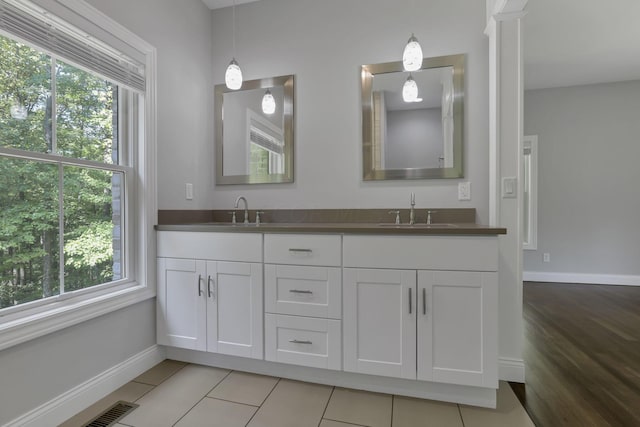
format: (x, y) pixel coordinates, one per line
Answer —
(63, 177)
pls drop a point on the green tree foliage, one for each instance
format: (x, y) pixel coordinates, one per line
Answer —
(78, 123)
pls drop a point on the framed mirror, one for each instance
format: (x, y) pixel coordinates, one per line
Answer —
(254, 145)
(409, 136)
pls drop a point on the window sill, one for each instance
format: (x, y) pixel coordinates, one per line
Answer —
(39, 324)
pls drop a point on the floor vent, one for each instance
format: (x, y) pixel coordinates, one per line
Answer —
(112, 415)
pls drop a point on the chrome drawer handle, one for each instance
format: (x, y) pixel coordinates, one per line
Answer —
(199, 282)
(300, 342)
(209, 282)
(300, 250)
(298, 291)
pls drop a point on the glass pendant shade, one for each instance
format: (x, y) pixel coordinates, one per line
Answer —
(233, 76)
(410, 90)
(268, 103)
(412, 56)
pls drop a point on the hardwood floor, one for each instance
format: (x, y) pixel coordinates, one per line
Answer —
(582, 355)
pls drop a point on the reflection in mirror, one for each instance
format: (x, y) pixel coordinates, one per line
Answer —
(254, 145)
(405, 138)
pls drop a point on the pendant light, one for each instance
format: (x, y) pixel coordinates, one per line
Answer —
(410, 90)
(412, 55)
(233, 75)
(268, 103)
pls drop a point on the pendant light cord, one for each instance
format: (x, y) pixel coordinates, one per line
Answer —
(233, 28)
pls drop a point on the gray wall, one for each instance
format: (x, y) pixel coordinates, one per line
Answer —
(37, 371)
(414, 138)
(181, 32)
(589, 199)
(324, 43)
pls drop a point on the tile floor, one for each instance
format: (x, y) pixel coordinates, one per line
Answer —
(180, 394)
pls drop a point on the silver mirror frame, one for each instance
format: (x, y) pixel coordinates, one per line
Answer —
(367, 74)
(288, 83)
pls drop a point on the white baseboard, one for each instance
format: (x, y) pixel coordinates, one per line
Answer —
(590, 279)
(511, 369)
(69, 403)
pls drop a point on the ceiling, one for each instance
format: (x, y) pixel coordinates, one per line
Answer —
(570, 42)
(218, 4)
(576, 42)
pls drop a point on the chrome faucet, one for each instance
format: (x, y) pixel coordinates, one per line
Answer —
(246, 208)
(412, 214)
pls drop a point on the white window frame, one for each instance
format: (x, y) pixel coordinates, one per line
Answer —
(27, 322)
(530, 142)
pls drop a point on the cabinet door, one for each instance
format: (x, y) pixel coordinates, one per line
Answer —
(380, 322)
(234, 309)
(457, 327)
(181, 315)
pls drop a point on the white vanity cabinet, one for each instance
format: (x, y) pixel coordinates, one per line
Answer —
(303, 299)
(421, 308)
(210, 292)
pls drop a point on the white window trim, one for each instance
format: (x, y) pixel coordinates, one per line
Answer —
(18, 328)
(531, 142)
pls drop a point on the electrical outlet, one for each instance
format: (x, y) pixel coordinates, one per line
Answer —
(189, 191)
(546, 257)
(464, 190)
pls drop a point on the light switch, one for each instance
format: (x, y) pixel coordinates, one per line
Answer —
(189, 191)
(509, 187)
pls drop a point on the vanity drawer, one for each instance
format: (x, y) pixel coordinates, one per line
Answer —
(303, 290)
(240, 247)
(303, 249)
(305, 341)
(466, 253)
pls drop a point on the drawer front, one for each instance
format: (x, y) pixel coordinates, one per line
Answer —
(241, 247)
(303, 290)
(303, 249)
(470, 253)
(303, 341)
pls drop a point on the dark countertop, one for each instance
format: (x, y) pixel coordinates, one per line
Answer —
(342, 228)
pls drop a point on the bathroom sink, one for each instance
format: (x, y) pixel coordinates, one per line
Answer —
(437, 225)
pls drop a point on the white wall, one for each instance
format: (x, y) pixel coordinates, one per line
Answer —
(37, 371)
(588, 178)
(324, 43)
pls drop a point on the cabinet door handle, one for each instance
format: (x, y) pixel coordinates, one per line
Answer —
(300, 291)
(199, 287)
(209, 281)
(300, 342)
(424, 301)
(410, 302)
(300, 250)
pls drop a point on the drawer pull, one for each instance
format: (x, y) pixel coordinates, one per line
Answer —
(299, 291)
(410, 302)
(300, 250)
(209, 281)
(300, 342)
(199, 282)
